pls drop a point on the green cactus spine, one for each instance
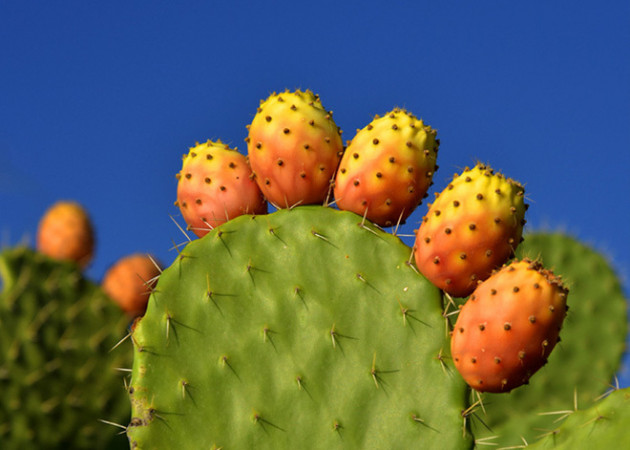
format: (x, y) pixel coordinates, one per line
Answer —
(306, 327)
(57, 376)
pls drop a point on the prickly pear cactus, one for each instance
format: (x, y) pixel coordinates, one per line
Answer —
(57, 376)
(304, 328)
(583, 364)
(603, 425)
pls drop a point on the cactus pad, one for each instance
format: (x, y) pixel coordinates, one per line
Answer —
(57, 375)
(603, 425)
(302, 328)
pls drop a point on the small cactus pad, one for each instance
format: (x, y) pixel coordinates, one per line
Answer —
(602, 426)
(584, 363)
(57, 374)
(304, 328)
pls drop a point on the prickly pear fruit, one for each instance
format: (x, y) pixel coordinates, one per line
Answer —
(294, 147)
(66, 233)
(509, 326)
(215, 185)
(473, 227)
(578, 372)
(129, 282)
(387, 168)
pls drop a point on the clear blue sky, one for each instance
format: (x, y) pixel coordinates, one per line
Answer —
(99, 100)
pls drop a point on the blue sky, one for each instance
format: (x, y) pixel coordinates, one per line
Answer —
(99, 100)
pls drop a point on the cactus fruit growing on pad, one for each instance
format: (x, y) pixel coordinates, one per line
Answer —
(472, 227)
(215, 185)
(584, 363)
(387, 168)
(312, 327)
(508, 327)
(299, 328)
(129, 282)
(65, 232)
(294, 147)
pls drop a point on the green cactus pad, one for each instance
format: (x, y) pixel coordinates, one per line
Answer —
(583, 364)
(603, 425)
(299, 329)
(57, 376)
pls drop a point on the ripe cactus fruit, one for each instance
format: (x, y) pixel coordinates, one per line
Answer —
(302, 328)
(129, 282)
(65, 232)
(581, 368)
(387, 168)
(57, 373)
(509, 326)
(214, 185)
(294, 147)
(473, 227)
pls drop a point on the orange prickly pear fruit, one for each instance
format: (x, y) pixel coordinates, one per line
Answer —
(65, 232)
(508, 327)
(129, 282)
(472, 228)
(294, 147)
(387, 168)
(215, 185)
